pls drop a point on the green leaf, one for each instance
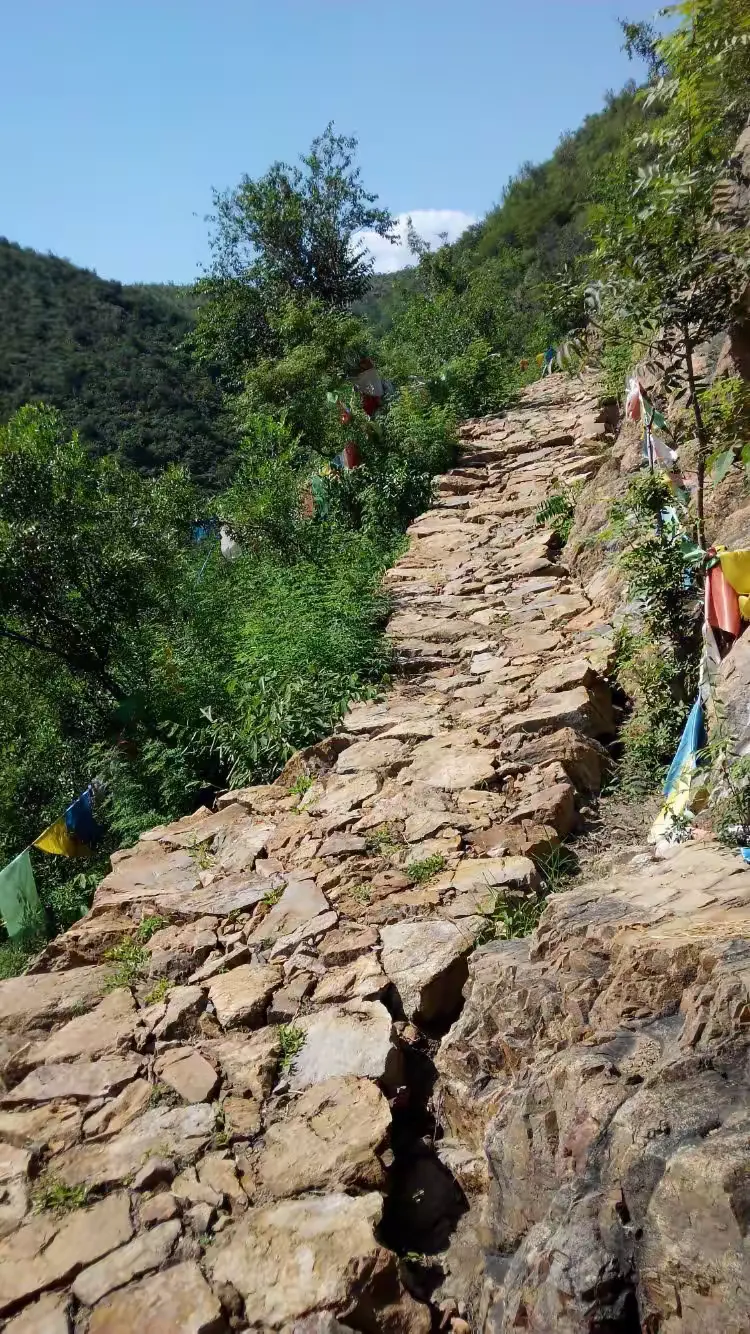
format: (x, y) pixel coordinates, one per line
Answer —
(720, 464)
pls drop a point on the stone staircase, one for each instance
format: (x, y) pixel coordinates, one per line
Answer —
(319, 1102)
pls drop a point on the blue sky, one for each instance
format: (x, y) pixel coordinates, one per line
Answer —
(117, 117)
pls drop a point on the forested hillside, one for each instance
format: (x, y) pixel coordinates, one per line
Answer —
(112, 359)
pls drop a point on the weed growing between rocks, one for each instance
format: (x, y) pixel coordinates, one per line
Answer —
(130, 960)
(383, 841)
(509, 921)
(291, 1042)
(272, 896)
(558, 511)
(420, 872)
(158, 991)
(149, 927)
(57, 1197)
(360, 893)
(302, 785)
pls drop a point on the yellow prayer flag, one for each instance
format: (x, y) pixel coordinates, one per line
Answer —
(58, 839)
(735, 566)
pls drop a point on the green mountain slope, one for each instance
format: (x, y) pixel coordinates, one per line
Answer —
(110, 357)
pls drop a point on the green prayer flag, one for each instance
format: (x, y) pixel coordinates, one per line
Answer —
(20, 908)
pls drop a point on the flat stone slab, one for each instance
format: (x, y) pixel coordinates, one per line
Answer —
(177, 1301)
(150, 1250)
(188, 1073)
(37, 1000)
(355, 1038)
(75, 1079)
(382, 753)
(299, 903)
(48, 1250)
(329, 1140)
(108, 1027)
(179, 1132)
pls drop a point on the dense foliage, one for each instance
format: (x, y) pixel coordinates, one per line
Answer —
(111, 359)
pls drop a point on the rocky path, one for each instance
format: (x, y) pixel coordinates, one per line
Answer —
(274, 1108)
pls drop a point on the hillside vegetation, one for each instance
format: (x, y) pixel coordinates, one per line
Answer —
(131, 651)
(112, 359)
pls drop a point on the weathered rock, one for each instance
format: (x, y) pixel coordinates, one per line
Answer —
(248, 1064)
(328, 1140)
(179, 1301)
(314, 1254)
(242, 1117)
(236, 849)
(241, 996)
(109, 1027)
(188, 1073)
(426, 962)
(75, 1079)
(148, 1251)
(159, 1208)
(439, 764)
(351, 1039)
(383, 753)
(47, 1316)
(300, 902)
(46, 1251)
(182, 1131)
(41, 999)
(363, 979)
(340, 794)
(180, 1017)
(584, 760)
(577, 709)
(119, 1111)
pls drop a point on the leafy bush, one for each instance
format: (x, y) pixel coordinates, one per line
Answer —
(557, 512)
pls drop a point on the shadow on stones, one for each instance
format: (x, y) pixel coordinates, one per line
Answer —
(424, 1201)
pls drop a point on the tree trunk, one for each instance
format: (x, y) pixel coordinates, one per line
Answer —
(702, 434)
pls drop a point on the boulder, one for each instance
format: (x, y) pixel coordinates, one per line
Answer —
(426, 962)
(317, 1254)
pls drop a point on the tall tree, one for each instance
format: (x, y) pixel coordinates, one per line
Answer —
(667, 270)
(292, 233)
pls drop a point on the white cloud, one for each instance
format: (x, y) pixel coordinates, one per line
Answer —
(428, 223)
